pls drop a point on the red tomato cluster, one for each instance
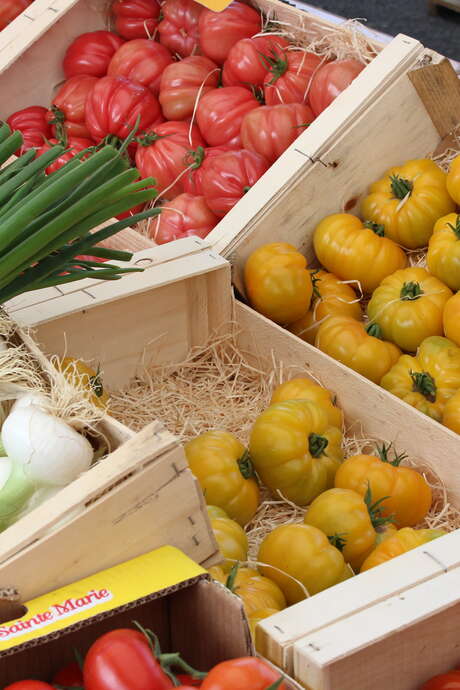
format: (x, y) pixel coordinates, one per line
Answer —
(123, 660)
(216, 99)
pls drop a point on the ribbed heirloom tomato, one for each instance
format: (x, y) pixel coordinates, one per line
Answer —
(242, 674)
(136, 18)
(184, 216)
(114, 105)
(453, 180)
(33, 124)
(193, 179)
(74, 145)
(451, 413)
(247, 63)
(10, 9)
(179, 27)
(451, 318)
(220, 114)
(182, 82)
(91, 53)
(404, 540)
(141, 60)
(443, 257)
(289, 78)
(330, 80)
(219, 31)
(226, 178)
(230, 536)
(306, 389)
(68, 106)
(163, 155)
(269, 130)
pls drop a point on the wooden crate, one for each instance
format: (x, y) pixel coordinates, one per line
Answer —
(180, 312)
(30, 70)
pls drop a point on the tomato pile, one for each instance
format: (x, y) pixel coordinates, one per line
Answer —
(216, 99)
(126, 659)
(408, 340)
(10, 9)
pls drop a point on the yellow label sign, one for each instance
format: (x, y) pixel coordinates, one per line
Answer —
(102, 592)
(216, 5)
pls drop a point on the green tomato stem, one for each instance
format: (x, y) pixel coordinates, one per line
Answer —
(455, 228)
(246, 466)
(375, 227)
(425, 384)
(374, 330)
(400, 186)
(317, 445)
(411, 291)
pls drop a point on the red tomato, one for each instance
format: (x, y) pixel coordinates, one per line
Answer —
(33, 124)
(181, 83)
(142, 61)
(29, 685)
(122, 660)
(91, 53)
(10, 9)
(188, 680)
(330, 80)
(69, 106)
(74, 146)
(166, 157)
(71, 676)
(269, 130)
(445, 681)
(131, 212)
(193, 179)
(179, 28)
(242, 674)
(246, 62)
(114, 105)
(184, 216)
(227, 178)
(221, 112)
(136, 18)
(289, 79)
(219, 31)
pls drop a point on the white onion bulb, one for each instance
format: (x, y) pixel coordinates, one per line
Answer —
(26, 399)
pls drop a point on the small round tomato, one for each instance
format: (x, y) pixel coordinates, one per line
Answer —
(443, 257)
(163, 155)
(451, 318)
(141, 61)
(269, 130)
(29, 685)
(74, 145)
(70, 676)
(278, 283)
(182, 82)
(114, 105)
(68, 106)
(306, 389)
(184, 216)
(445, 681)
(290, 76)
(227, 178)
(219, 31)
(453, 180)
(330, 80)
(179, 26)
(231, 539)
(91, 53)
(248, 61)
(242, 674)
(404, 540)
(33, 124)
(220, 114)
(136, 18)
(193, 179)
(10, 9)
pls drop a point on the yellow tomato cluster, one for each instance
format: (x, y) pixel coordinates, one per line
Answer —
(409, 342)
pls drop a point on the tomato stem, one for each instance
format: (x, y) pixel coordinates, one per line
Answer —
(455, 228)
(96, 383)
(275, 63)
(246, 189)
(246, 466)
(194, 158)
(58, 122)
(424, 383)
(400, 186)
(374, 509)
(383, 451)
(314, 281)
(230, 582)
(338, 540)
(375, 227)
(317, 445)
(411, 291)
(374, 330)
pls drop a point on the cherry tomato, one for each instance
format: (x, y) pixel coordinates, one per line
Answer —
(91, 53)
(33, 124)
(10, 9)
(68, 109)
(29, 685)
(219, 31)
(193, 179)
(71, 676)
(74, 145)
(122, 660)
(290, 77)
(114, 105)
(184, 216)
(242, 674)
(182, 83)
(330, 80)
(165, 158)
(179, 28)
(142, 61)
(220, 114)
(247, 62)
(136, 18)
(445, 681)
(227, 178)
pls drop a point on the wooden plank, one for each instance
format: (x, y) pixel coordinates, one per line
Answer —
(399, 643)
(438, 86)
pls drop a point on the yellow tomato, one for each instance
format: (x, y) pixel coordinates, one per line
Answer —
(295, 449)
(408, 307)
(384, 532)
(257, 591)
(348, 520)
(407, 201)
(451, 318)
(230, 536)
(278, 283)
(429, 379)
(406, 492)
(354, 250)
(221, 465)
(306, 389)
(453, 180)
(84, 377)
(404, 540)
(350, 342)
(304, 553)
(443, 257)
(331, 296)
(218, 573)
(451, 413)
